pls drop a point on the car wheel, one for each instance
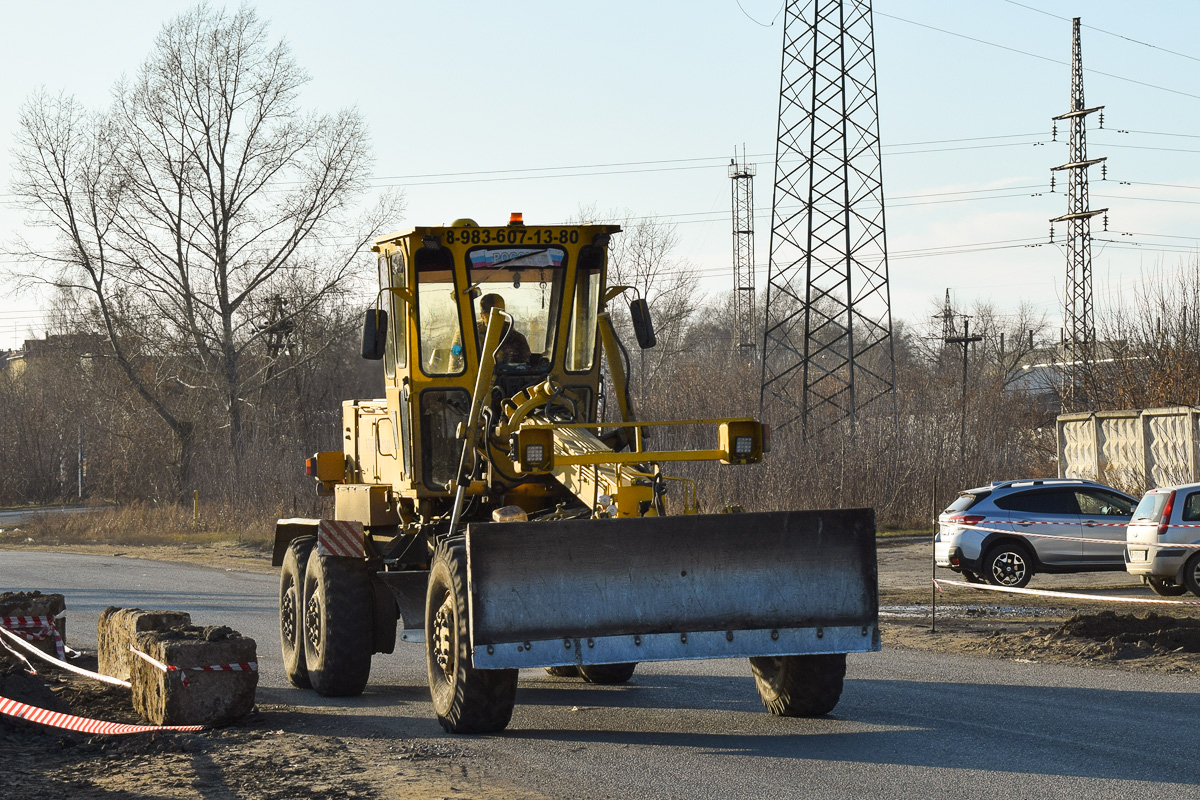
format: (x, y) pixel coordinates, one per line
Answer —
(1008, 565)
(1165, 588)
(1191, 575)
(337, 625)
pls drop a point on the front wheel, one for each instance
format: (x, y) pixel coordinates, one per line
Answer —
(291, 610)
(1191, 575)
(337, 625)
(607, 673)
(799, 686)
(1164, 588)
(1008, 565)
(465, 699)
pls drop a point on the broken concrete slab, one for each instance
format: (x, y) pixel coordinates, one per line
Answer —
(218, 693)
(117, 631)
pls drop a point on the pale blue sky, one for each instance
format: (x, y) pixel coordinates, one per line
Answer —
(479, 109)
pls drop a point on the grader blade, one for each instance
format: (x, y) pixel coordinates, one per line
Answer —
(672, 588)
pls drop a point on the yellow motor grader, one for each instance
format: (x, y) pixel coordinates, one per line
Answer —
(485, 509)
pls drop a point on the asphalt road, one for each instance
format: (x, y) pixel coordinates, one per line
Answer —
(910, 725)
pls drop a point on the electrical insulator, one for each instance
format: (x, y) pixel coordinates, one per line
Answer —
(1101, 119)
(1054, 132)
(1104, 172)
(1106, 223)
(1051, 182)
(1051, 233)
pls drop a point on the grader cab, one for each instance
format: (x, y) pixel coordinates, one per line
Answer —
(485, 508)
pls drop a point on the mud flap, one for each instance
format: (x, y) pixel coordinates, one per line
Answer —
(672, 588)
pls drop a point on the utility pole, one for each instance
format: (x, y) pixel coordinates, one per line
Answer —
(1079, 338)
(966, 340)
(827, 343)
(742, 176)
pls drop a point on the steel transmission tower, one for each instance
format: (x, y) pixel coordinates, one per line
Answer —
(827, 344)
(1079, 334)
(742, 175)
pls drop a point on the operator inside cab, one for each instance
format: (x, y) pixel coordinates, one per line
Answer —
(514, 347)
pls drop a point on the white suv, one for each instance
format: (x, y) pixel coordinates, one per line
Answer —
(1167, 516)
(1033, 526)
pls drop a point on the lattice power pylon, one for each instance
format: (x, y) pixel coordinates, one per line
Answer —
(827, 343)
(742, 175)
(1079, 322)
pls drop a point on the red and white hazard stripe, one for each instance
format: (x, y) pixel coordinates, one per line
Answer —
(35, 629)
(337, 537)
(82, 724)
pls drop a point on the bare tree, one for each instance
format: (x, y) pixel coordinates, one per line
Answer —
(203, 196)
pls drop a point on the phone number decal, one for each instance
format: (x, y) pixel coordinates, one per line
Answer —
(513, 235)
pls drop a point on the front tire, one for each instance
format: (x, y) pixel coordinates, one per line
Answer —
(465, 699)
(1008, 565)
(1191, 575)
(799, 686)
(337, 625)
(291, 610)
(1165, 588)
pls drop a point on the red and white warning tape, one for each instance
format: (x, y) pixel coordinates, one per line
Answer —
(1057, 538)
(35, 629)
(938, 584)
(82, 724)
(244, 666)
(8, 635)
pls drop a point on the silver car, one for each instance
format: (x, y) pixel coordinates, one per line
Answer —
(1165, 517)
(1007, 531)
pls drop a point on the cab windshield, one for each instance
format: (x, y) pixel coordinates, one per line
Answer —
(527, 283)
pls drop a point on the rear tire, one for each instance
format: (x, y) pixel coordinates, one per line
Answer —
(799, 686)
(291, 610)
(1191, 575)
(465, 699)
(1008, 565)
(607, 673)
(1164, 588)
(337, 625)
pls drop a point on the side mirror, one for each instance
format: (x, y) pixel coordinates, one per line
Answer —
(374, 334)
(643, 326)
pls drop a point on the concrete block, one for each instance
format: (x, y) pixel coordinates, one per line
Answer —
(117, 631)
(210, 697)
(36, 604)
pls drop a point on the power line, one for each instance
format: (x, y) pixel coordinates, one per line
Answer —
(1035, 55)
(1106, 33)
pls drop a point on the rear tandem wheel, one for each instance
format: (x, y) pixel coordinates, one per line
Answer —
(337, 627)
(291, 610)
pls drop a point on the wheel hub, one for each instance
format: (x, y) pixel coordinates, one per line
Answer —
(443, 650)
(312, 622)
(287, 615)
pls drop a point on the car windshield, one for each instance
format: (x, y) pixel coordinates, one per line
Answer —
(528, 280)
(1151, 507)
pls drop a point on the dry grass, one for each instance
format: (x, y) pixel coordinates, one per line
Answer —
(146, 524)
